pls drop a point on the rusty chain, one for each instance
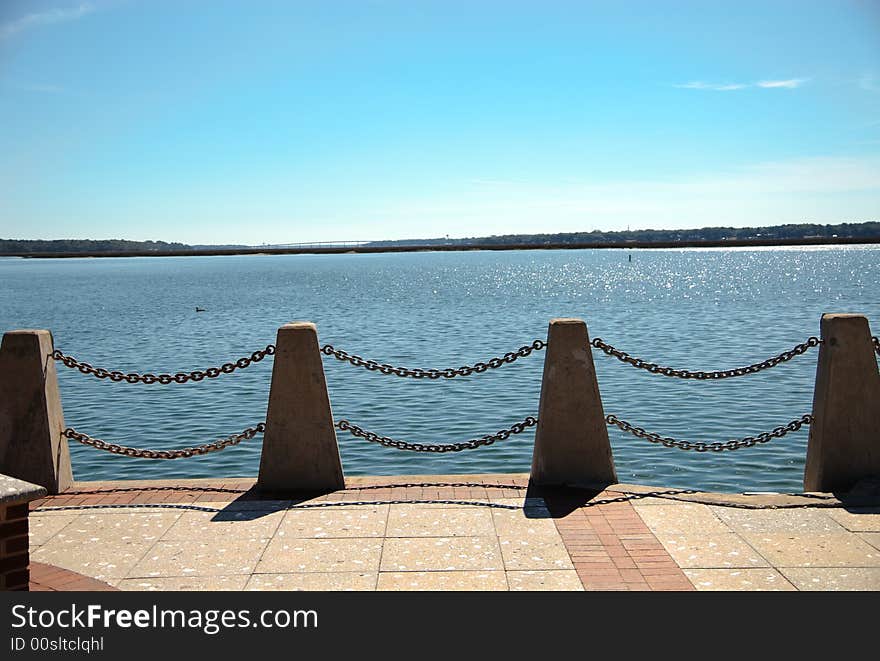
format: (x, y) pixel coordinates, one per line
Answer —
(205, 448)
(530, 421)
(653, 368)
(488, 439)
(448, 373)
(516, 428)
(717, 446)
(419, 373)
(179, 377)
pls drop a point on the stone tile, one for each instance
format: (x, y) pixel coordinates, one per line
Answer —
(407, 521)
(557, 580)
(443, 581)
(651, 500)
(793, 521)
(529, 522)
(459, 503)
(837, 579)
(103, 560)
(247, 505)
(860, 519)
(534, 552)
(814, 550)
(720, 551)
(47, 511)
(214, 557)
(360, 521)
(738, 579)
(43, 528)
(873, 538)
(326, 581)
(184, 584)
(680, 519)
(115, 510)
(289, 554)
(441, 553)
(521, 502)
(239, 524)
(136, 526)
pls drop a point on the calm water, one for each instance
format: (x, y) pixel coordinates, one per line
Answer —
(699, 309)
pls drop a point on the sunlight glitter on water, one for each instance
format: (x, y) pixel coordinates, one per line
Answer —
(689, 308)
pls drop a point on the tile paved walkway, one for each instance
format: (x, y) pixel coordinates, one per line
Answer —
(465, 532)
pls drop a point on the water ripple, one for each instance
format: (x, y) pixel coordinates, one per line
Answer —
(697, 309)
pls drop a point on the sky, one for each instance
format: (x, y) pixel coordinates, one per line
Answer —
(271, 122)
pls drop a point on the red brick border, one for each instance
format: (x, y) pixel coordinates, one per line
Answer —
(611, 547)
(459, 487)
(49, 578)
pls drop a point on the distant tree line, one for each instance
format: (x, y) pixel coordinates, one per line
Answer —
(797, 231)
(85, 245)
(865, 230)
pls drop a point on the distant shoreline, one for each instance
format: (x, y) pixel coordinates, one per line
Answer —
(728, 243)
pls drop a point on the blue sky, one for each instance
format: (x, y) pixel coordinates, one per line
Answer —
(274, 122)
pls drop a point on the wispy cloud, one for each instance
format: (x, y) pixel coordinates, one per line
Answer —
(57, 15)
(699, 85)
(789, 83)
(869, 83)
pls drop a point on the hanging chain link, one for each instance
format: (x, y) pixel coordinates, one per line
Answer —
(489, 439)
(448, 373)
(179, 377)
(720, 374)
(516, 428)
(216, 446)
(876, 341)
(717, 446)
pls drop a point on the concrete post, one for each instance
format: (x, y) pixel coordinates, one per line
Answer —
(31, 419)
(299, 444)
(571, 442)
(844, 444)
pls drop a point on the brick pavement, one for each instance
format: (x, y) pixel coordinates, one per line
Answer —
(49, 578)
(450, 532)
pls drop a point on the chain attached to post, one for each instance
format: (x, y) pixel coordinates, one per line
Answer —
(447, 373)
(653, 368)
(516, 428)
(179, 377)
(717, 446)
(418, 373)
(182, 453)
(876, 341)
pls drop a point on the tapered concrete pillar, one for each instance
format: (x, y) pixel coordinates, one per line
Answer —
(299, 444)
(571, 442)
(31, 420)
(844, 444)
